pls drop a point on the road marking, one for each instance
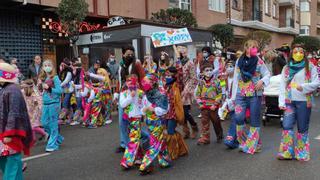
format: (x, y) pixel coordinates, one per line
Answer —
(36, 156)
(317, 137)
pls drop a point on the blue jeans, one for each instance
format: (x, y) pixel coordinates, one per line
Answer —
(11, 167)
(171, 126)
(254, 104)
(297, 111)
(123, 126)
(66, 100)
(79, 103)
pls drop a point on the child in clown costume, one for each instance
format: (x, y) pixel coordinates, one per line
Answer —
(251, 75)
(208, 94)
(298, 80)
(102, 100)
(155, 106)
(131, 102)
(88, 93)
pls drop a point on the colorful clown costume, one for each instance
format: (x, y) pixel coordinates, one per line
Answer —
(132, 113)
(156, 126)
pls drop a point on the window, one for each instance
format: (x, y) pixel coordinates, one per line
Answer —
(217, 5)
(182, 4)
(304, 6)
(274, 10)
(267, 6)
(304, 30)
(235, 4)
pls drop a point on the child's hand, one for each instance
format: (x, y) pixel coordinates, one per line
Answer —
(133, 93)
(213, 108)
(7, 140)
(144, 110)
(45, 86)
(151, 109)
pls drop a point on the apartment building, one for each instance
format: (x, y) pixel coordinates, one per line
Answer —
(30, 27)
(280, 18)
(310, 18)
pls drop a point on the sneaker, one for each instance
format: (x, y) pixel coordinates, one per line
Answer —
(24, 167)
(108, 121)
(50, 150)
(74, 123)
(92, 127)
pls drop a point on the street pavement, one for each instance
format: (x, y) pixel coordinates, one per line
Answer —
(89, 154)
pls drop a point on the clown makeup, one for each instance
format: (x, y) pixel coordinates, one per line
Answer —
(298, 54)
(208, 72)
(146, 84)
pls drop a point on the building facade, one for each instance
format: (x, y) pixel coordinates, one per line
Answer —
(40, 34)
(310, 18)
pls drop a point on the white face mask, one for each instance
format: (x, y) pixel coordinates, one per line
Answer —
(208, 73)
(230, 69)
(111, 59)
(205, 54)
(47, 69)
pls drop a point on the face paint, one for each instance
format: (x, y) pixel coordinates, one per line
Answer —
(298, 54)
(146, 85)
(208, 72)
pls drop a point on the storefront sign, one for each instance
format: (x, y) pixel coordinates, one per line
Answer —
(116, 21)
(96, 38)
(171, 37)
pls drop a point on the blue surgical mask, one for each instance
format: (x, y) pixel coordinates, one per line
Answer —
(169, 80)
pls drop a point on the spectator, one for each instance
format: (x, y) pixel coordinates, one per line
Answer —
(14, 63)
(113, 67)
(95, 67)
(35, 68)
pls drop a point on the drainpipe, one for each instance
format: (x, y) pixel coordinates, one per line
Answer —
(108, 4)
(147, 8)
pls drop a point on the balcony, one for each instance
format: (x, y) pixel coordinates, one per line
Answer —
(287, 2)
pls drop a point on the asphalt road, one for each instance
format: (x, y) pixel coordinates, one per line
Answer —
(89, 154)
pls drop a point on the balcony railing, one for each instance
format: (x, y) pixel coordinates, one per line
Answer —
(290, 22)
(257, 15)
(286, 2)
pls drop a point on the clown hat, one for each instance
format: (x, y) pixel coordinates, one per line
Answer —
(7, 73)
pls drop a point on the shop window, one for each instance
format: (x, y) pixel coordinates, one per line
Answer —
(182, 4)
(304, 30)
(217, 5)
(304, 6)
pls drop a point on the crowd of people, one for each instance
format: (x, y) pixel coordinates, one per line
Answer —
(154, 97)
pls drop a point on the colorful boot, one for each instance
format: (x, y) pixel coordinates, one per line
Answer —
(302, 148)
(286, 151)
(250, 145)
(63, 114)
(240, 133)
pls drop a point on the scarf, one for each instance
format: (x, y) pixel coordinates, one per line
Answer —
(247, 67)
(294, 68)
(155, 97)
(14, 116)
